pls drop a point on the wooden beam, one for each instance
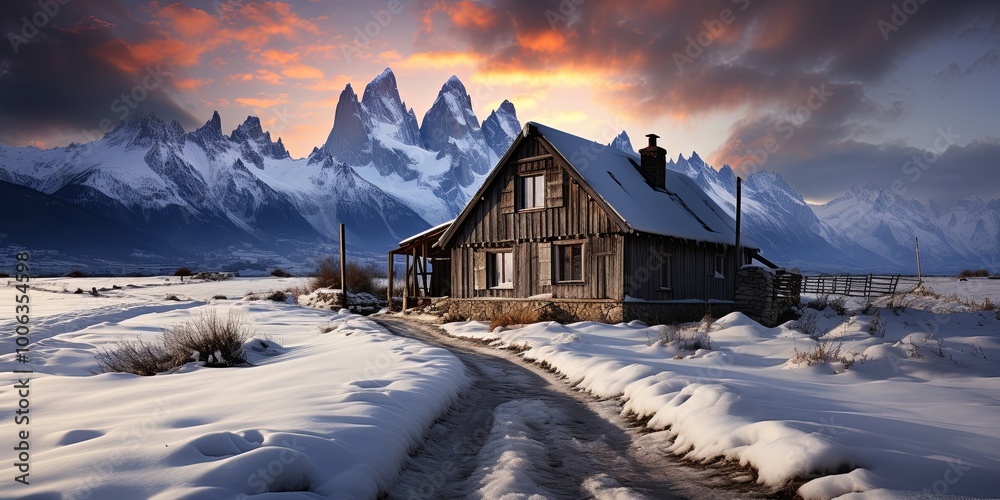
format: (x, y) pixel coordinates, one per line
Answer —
(388, 292)
(406, 281)
(415, 285)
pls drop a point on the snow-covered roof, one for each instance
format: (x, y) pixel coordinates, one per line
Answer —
(438, 227)
(682, 210)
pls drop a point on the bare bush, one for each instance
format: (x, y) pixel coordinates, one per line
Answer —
(172, 297)
(987, 305)
(76, 273)
(278, 296)
(867, 305)
(138, 358)
(898, 304)
(839, 305)
(280, 273)
(182, 272)
(213, 340)
(516, 317)
(360, 277)
(978, 273)
(689, 340)
(807, 324)
(824, 352)
(878, 325)
(819, 303)
(220, 297)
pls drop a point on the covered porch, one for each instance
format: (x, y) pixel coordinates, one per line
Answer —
(426, 269)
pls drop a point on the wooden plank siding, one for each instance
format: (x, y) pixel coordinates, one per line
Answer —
(616, 262)
(692, 268)
(569, 213)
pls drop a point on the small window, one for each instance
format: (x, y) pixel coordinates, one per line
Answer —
(569, 262)
(500, 269)
(532, 192)
(720, 266)
(666, 273)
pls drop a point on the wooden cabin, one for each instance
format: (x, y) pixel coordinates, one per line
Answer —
(588, 231)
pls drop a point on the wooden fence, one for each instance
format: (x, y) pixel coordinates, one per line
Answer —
(857, 285)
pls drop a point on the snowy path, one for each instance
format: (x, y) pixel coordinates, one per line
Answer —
(519, 430)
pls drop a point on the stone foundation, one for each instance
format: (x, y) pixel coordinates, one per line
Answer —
(766, 295)
(572, 310)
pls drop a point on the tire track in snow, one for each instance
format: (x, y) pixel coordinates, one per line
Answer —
(518, 429)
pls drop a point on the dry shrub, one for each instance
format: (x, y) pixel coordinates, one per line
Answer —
(280, 273)
(183, 271)
(215, 341)
(824, 352)
(878, 325)
(172, 297)
(839, 305)
(277, 296)
(76, 274)
(978, 273)
(220, 297)
(987, 305)
(689, 340)
(516, 317)
(360, 277)
(819, 303)
(138, 358)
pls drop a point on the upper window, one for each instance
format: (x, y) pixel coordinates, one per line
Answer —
(532, 192)
(720, 266)
(500, 269)
(569, 262)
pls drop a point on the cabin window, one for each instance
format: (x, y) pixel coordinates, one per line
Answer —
(569, 262)
(500, 269)
(720, 266)
(532, 192)
(667, 273)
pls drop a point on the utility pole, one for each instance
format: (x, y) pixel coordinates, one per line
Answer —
(920, 277)
(343, 268)
(739, 253)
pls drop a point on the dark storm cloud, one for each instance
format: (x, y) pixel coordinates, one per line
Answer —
(57, 80)
(800, 70)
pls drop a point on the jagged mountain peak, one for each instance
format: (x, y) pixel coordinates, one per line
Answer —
(249, 129)
(384, 111)
(622, 142)
(142, 130)
(349, 137)
(501, 127)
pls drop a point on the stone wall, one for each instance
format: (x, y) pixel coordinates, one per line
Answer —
(765, 295)
(571, 310)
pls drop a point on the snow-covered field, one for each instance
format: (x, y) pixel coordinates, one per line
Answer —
(334, 413)
(910, 409)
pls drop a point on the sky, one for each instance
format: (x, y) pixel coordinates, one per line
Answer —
(829, 93)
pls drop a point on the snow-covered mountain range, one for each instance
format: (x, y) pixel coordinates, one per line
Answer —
(150, 192)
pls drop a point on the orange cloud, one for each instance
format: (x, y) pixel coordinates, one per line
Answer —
(274, 57)
(335, 84)
(546, 41)
(192, 83)
(269, 77)
(187, 21)
(440, 60)
(468, 14)
(262, 102)
(302, 72)
(269, 19)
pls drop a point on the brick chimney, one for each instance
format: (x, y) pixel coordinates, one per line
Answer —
(654, 163)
